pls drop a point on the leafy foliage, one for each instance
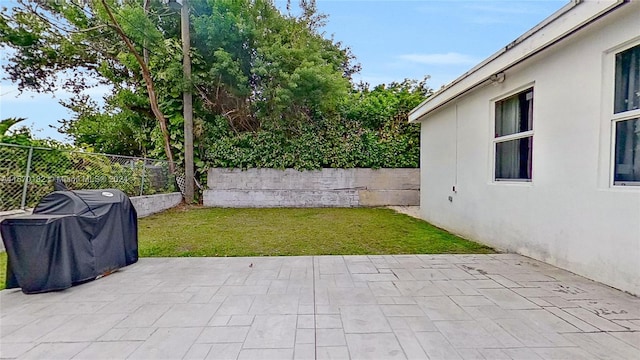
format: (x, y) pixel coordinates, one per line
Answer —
(47, 160)
(21, 136)
(371, 131)
(269, 89)
(78, 170)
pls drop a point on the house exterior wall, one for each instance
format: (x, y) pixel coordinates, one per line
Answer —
(568, 215)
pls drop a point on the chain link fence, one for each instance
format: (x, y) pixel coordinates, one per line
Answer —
(27, 174)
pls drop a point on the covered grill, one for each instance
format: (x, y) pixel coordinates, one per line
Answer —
(71, 237)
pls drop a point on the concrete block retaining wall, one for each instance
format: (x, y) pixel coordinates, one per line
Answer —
(151, 204)
(317, 188)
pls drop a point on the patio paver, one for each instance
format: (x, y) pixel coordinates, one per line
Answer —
(326, 307)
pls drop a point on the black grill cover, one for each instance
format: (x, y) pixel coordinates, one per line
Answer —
(71, 237)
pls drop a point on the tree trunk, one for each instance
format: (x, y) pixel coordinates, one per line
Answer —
(153, 100)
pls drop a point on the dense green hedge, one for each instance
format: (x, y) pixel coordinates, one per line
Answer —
(369, 130)
(316, 147)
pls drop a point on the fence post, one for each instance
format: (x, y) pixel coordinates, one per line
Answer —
(23, 203)
(144, 168)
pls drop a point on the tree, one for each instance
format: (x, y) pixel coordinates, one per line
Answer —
(20, 137)
(252, 65)
(76, 41)
(146, 75)
(371, 130)
(23, 136)
(124, 126)
(257, 67)
(6, 124)
(269, 89)
(375, 107)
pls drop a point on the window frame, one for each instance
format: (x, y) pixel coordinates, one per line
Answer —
(515, 136)
(616, 118)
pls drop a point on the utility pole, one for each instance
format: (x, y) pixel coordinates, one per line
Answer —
(188, 104)
(187, 98)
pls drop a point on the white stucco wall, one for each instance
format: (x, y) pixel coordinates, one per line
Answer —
(569, 215)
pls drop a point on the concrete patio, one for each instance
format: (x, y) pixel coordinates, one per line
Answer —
(499, 306)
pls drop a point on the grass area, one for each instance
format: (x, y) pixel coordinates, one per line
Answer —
(272, 232)
(3, 269)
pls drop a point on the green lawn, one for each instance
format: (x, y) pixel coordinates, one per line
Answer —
(3, 269)
(268, 232)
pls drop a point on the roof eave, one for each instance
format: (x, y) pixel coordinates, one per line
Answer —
(575, 15)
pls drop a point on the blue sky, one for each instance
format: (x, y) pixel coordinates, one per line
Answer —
(392, 39)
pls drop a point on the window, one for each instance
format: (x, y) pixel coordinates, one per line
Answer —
(626, 111)
(514, 137)
(627, 91)
(627, 153)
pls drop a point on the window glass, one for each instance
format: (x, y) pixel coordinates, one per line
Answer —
(513, 159)
(627, 153)
(514, 114)
(627, 83)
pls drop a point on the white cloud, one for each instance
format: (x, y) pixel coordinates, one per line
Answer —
(501, 8)
(450, 58)
(491, 12)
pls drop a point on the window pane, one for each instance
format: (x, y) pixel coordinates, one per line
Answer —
(627, 87)
(627, 168)
(513, 159)
(514, 114)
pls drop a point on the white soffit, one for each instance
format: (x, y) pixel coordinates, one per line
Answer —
(559, 25)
